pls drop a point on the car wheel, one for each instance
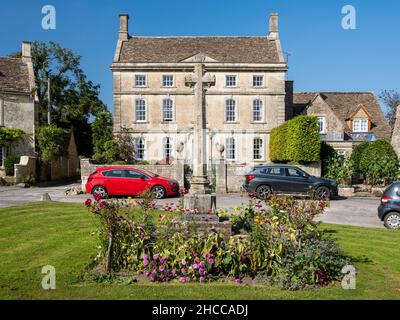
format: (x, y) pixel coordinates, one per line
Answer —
(392, 220)
(263, 192)
(159, 192)
(100, 190)
(323, 193)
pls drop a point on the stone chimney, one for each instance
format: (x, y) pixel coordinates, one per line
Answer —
(26, 51)
(124, 27)
(273, 26)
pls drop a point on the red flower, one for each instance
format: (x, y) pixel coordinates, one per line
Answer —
(88, 203)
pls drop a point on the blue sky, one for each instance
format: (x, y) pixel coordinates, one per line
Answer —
(324, 57)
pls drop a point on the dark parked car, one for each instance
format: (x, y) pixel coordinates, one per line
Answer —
(266, 180)
(389, 210)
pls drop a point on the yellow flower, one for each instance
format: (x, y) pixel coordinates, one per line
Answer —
(293, 237)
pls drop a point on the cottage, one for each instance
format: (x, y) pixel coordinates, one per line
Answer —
(18, 103)
(345, 118)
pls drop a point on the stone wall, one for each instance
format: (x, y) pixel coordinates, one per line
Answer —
(174, 171)
(25, 168)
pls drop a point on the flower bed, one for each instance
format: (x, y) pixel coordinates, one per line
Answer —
(276, 242)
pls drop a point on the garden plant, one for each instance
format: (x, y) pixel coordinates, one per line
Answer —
(275, 242)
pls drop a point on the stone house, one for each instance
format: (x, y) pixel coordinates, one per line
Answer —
(152, 100)
(346, 118)
(251, 96)
(18, 103)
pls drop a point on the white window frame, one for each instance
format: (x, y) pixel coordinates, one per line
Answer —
(172, 83)
(254, 82)
(231, 147)
(136, 110)
(260, 147)
(136, 80)
(360, 125)
(228, 81)
(143, 140)
(164, 119)
(167, 141)
(322, 120)
(229, 113)
(260, 111)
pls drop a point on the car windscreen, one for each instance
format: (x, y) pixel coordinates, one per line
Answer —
(149, 173)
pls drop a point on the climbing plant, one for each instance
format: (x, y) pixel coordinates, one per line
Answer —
(8, 136)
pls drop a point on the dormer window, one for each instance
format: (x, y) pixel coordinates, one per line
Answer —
(360, 125)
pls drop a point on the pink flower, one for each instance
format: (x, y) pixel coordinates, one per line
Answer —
(211, 261)
(238, 281)
(182, 279)
(88, 202)
(202, 279)
(156, 256)
(183, 262)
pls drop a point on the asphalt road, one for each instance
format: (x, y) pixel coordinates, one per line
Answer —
(352, 211)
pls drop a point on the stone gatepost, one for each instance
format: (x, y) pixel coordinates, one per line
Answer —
(221, 178)
(180, 165)
(396, 132)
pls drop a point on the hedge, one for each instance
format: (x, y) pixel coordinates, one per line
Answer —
(296, 141)
(278, 144)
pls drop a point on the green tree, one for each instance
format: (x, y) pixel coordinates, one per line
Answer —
(75, 100)
(105, 147)
(51, 141)
(126, 146)
(379, 163)
(357, 155)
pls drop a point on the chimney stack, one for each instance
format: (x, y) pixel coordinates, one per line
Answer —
(273, 26)
(124, 27)
(26, 51)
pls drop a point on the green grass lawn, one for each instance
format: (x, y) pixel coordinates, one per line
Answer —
(62, 235)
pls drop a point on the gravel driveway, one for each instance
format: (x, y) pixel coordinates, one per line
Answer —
(352, 211)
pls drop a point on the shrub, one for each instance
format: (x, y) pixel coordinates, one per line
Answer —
(327, 152)
(9, 163)
(51, 142)
(357, 155)
(296, 141)
(339, 168)
(379, 162)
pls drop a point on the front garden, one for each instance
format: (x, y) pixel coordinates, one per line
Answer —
(66, 236)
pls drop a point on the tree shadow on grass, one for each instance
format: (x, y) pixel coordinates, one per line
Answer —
(361, 259)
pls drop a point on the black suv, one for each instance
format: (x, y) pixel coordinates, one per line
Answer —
(266, 180)
(389, 210)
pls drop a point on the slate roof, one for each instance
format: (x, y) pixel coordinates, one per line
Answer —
(221, 49)
(14, 75)
(343, 104)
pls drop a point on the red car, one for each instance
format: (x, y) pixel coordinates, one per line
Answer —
(130, 181)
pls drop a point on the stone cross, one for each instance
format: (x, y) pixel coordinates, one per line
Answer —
(201, 82)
